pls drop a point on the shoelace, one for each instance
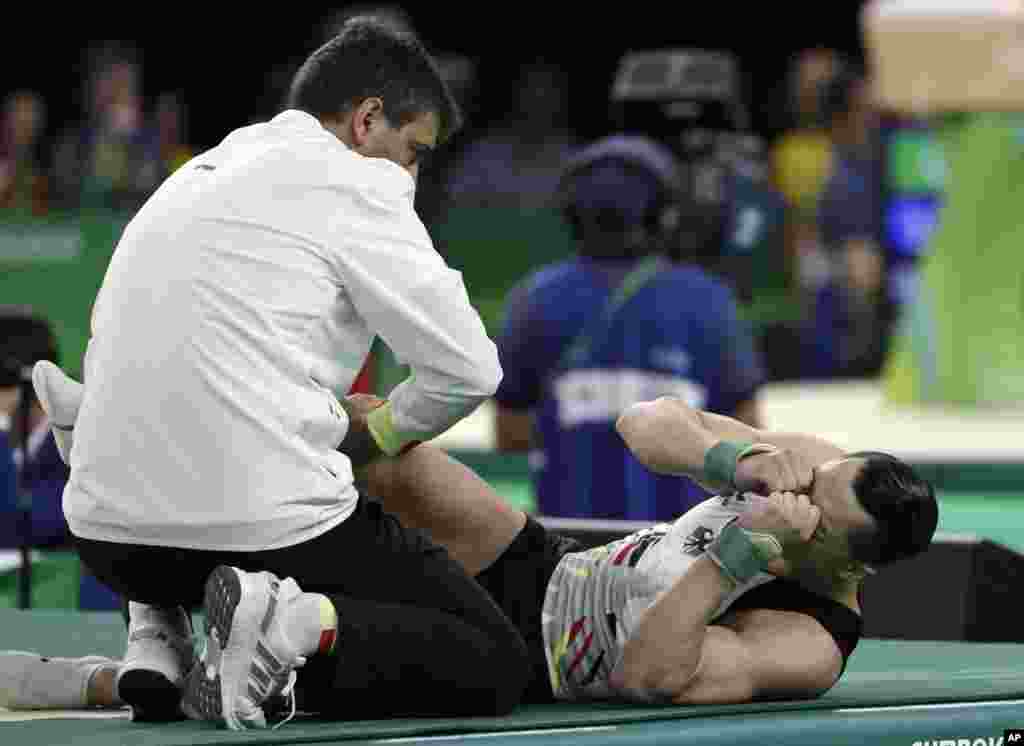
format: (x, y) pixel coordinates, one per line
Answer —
(289, 694)
(275, 683)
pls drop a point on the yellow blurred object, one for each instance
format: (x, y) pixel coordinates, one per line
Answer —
(801, 164)
(178, 157)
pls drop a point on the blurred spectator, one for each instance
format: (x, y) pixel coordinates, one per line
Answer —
(171, 134)
(23, 183)
(112, 158)
(24, 339)
(8, 471)
(517, 162)
(616, 324)
(852, 313)
(801, 160)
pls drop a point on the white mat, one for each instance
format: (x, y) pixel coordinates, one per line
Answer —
(855, 416)
(14, 716)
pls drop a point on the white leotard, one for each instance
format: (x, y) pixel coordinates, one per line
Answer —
(595, 598)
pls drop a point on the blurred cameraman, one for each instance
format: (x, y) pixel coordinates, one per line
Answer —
(691, 101)
(618, 323)
(24, 339)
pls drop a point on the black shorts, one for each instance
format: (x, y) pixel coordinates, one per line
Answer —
(517, 581)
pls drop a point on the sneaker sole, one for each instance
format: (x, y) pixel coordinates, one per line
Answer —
(152, 696)
(227, 647)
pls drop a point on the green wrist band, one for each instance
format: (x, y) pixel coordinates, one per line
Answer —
(742, 554)
(720, 461)
(382, 428)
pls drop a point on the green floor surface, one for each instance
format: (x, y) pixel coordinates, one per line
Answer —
(892, 690)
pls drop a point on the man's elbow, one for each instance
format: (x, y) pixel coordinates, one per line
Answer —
(484, 377)
(639, 426)
(644, 673)
(650, 683)
(634, 420)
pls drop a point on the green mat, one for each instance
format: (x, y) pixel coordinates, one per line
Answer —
(889, 683)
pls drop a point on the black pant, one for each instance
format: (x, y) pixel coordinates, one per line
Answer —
(518, 581)
(416, 635)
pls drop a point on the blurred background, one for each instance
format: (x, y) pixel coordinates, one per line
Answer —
(864, 252)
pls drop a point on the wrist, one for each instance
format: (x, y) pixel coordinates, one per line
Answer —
(388, 438)
(742, 555)
(721, 460)
(359, 444)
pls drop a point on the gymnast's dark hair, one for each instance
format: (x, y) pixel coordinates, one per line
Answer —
(371, 59)
(902, 504)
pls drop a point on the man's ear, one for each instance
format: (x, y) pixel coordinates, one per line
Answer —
(365, 117)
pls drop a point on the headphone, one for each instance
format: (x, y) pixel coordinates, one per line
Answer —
(663, 216)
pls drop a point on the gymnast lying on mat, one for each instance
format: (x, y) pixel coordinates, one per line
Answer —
(743, 598)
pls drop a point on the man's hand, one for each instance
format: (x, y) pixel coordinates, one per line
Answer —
(357, 406)
(788, 517)
(359, 444)
(781, 470)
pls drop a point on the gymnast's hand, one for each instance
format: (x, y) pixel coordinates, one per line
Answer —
(790, 518)
(778, 470)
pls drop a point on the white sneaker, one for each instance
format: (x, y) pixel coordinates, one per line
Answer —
(61, 398)
(32, 682)
(247, 659)
(158, 657)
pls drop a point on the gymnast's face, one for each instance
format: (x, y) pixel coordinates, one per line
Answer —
(828, 553)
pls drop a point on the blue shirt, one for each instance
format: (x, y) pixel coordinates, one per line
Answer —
(678, 335)
(44, 478)
(849, 210)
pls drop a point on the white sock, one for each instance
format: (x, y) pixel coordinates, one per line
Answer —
(309, 624)
(32, 682)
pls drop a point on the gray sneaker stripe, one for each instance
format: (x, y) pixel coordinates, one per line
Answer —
(254, 693)
(259, 674)
(272, 664)
(271, 609)
(149, 633)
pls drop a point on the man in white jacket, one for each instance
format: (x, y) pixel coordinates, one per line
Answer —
(245, 292)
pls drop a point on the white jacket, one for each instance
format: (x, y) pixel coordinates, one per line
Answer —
(241, 299)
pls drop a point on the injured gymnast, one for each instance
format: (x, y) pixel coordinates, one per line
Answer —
(753, 594)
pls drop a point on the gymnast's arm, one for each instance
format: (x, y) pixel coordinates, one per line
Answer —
(676, 654)
(670, 437)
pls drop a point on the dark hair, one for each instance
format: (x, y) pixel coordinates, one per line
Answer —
(615, 186)
(366, 59)
(902, 505)
(25, 338)
(836, 95)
